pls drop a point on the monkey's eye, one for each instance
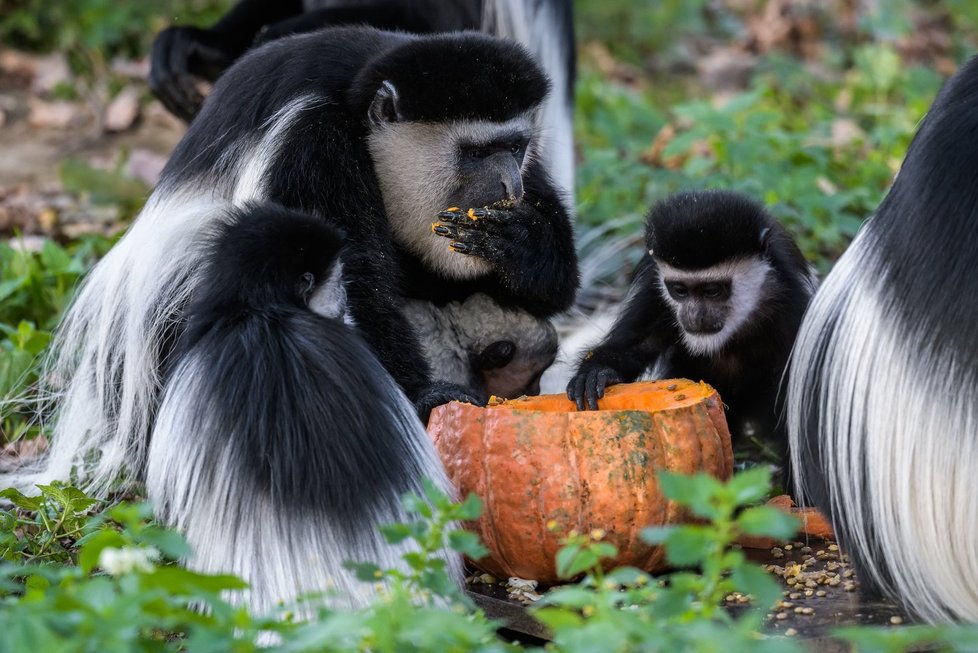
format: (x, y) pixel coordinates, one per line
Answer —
(677, 290)
(715, 290)
(710, 290)
(476, 152)
(516, 147)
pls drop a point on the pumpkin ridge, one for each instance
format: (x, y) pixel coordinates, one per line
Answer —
(570, 446)
(488, 500)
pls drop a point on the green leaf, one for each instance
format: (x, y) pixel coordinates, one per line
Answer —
(365, 571)
(656, 534)
(21, 501)
(688, 545)
(170, 543)
(569, 596)
(574, 559)
(415, 505)
(768, 521)
(699, 492)
(92, 546)
(751, 485)
(751, 579)
(467, 543)
(396, 533)
(470, 509)
(184, 582)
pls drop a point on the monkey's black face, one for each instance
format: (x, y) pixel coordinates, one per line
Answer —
(490, 172)
(702, 308)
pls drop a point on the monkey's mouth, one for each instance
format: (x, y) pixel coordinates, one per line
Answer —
(704, 329)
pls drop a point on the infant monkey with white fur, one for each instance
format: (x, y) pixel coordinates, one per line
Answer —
(719, 297)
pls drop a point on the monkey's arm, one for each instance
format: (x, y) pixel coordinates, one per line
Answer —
(638, 337)
(530, 245)
(181, 53)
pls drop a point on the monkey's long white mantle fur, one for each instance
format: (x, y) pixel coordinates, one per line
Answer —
(883, 389)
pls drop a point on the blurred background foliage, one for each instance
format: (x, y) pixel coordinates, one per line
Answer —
(808, 105)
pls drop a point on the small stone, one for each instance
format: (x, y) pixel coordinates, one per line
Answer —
(791, 632)
(122, 110)
(896, 621)
(53, 115)
(781, 615)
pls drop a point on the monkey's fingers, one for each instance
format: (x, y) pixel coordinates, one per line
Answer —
(575, 390)
(597, 381)
(470, 216)
(465, 240)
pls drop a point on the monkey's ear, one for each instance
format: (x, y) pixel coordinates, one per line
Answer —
(384, 107)
(765, 238)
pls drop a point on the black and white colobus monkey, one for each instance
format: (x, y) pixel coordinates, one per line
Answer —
(719, 298)
(883, 390)
(545, 27)
(407, 126)
(280, 443)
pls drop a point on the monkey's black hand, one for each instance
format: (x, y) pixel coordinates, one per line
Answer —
(441, 392)
(491, 233)
(181, 54)
(588, 386)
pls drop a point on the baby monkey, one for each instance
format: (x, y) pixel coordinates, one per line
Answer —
(718, 298)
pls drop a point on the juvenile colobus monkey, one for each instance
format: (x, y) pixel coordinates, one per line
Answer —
(396, 130)
(719, 298)
(281, 444)
(883, 389)
(545, 27)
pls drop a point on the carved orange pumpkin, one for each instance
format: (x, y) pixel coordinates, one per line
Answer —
(543, 468)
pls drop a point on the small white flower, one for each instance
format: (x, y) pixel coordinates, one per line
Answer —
(116, 562)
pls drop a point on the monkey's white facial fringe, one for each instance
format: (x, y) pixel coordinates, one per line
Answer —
(747, 276)
(894, 423)
(234, 528)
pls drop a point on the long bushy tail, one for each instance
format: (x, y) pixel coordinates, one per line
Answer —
(882, 402)
(281, 443)
(103, 373)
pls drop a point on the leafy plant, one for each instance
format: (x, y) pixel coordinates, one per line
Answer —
(35, 288)
(628, 609)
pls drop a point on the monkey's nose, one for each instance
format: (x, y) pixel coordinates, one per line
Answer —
(512, 187)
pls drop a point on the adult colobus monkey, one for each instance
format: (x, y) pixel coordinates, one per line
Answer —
(545, 27)
(280, 443)
(883, 388)
(719, 297)
(401, 128)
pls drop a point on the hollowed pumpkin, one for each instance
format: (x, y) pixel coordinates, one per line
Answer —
(543, 468)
